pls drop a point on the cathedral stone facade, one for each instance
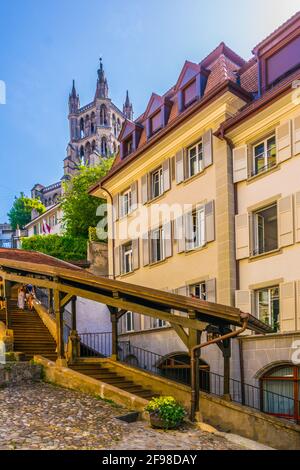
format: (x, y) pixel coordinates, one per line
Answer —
(94, 131)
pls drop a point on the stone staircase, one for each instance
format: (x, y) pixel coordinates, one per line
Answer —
(100, 372)
(31, 336)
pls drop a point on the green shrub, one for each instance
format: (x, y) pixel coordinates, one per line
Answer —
(63, 247)
(168, 409)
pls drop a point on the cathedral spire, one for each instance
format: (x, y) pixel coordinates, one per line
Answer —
(102, 86)
(128, 108)
(73, 99)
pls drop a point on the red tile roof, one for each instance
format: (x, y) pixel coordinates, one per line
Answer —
(33, 257)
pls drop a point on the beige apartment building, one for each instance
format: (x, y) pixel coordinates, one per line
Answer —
(223, 144)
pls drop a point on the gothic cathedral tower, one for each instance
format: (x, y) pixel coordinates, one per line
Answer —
(95, 127)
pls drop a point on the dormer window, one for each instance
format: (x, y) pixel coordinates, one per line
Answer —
(156, 122)
(128, 146)
(189, 94)
(283, 62)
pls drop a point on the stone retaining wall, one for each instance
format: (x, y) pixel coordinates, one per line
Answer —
(14, 373)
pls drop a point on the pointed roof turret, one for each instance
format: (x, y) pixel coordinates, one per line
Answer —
(73, 99)
(128, 108)
(102, 86)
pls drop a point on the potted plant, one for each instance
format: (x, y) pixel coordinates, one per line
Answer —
(165, 413)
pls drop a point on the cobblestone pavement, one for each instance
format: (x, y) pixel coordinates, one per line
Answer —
(43, 416)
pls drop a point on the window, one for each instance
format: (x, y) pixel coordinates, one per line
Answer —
(129, 323)
(156, 122)
(195, 159)
(157, 323)
(157, 245)
(35, 229)
(126, 202)
(264, 155)
(127, 258)
(196, 229)
(156, 183)
(190, 94)
(267, 306)
(281, 392)
(128, 146)
(265, 230)
(198, 291)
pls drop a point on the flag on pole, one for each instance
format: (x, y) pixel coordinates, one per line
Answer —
(46, 228)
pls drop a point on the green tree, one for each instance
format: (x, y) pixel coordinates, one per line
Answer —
(60, 246)
(20, 213)
(79, 208)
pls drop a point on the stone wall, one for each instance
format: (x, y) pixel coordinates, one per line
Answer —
(97, 255)
(14, 373)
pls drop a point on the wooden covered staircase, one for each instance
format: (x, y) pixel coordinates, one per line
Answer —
(31, 336)
(100, 372)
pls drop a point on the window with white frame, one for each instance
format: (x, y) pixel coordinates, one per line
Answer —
(129, 321)
(156, 183)
(157, 323)
(198, 290)
(195, 159)
(267, 306)
(196, 229)
(127, 258)
(264, 155)
(265, 230)
(157, 251)
(126, 202)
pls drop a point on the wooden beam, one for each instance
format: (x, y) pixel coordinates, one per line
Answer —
(59, 325)
(67, 298)
(181, 333)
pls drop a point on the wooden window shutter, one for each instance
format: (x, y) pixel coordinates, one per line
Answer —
(188, 231)
(183, 290)
(166, 175)
(179, 166)
(210, 289)
(287, 313)
(147, 322)
(168, 240)
(180, 234)
(146, 253)
(209, 211)
(296, 135)
(298, 306)
(244, 300)
(135, 254)
(136, 321)
(240, 163)
(116, 207)
(297, 216)
(285, 221)
(207, 142)
(117, 260)
(284, 141)
(242, 236)
(145, 192)
(173, 169)
(134, 195)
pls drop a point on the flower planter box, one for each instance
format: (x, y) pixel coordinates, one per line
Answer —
(158, 423)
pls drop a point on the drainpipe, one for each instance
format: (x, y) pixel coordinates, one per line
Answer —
(112, 226)
(194, 371)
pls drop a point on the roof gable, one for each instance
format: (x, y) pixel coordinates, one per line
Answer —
(189, 70)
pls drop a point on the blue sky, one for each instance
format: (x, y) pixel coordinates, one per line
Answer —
(45, 44)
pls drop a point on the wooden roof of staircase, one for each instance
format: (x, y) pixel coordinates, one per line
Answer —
(48, 272)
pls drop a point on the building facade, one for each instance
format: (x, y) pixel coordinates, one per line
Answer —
(6, 233)
(223, 145)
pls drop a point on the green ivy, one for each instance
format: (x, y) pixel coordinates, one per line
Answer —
(168, 409)
(65, 247)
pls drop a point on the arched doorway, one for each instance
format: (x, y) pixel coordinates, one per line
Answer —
(177, 366)
(280, 392)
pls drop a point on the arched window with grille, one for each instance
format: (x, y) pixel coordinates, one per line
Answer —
(280, 392)
(81, 155)
(104, 149)
(103, 115)
(81, 128)
(93, 123)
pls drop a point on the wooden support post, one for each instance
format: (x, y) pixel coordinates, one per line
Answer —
(7, 296)
(50, 301)
(61, 359)
(114, 329)
(226, 356)
(73, 310)
(195, 339)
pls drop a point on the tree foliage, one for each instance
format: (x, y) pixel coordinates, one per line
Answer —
(20, 213)
(79, 208)
(63, 247)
